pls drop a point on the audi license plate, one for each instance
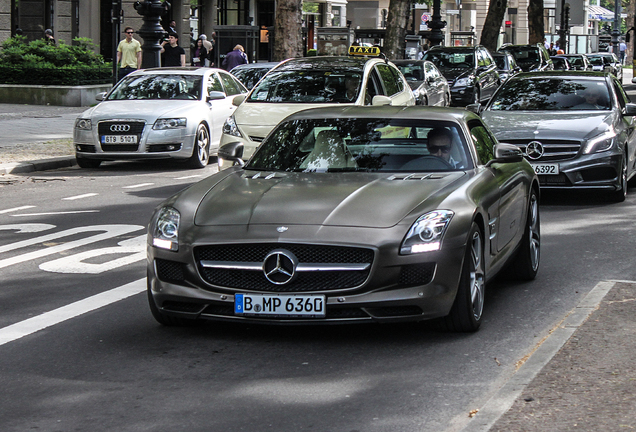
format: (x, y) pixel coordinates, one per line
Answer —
(119, 139)
(300, 306)
(546, 169)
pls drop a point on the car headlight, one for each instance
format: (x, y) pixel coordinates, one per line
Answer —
(600, 143)
(170, 123)
(464, 82)
(427, 232)
(84, 124)
(230, 128)
(165, 233)
(416, 93)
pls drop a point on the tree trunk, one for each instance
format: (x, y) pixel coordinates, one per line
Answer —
(492, 24)
(288, 41)
(631, 11)
(535, 22)
(396, 22)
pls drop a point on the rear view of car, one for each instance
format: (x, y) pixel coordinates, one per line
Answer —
(530, 58)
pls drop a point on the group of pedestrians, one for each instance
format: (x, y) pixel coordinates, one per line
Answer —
(202, 52)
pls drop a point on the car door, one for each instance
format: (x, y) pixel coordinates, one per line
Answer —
(487, 73)
(221, 109)
(433, 82)
(629, 126)
(395, 86)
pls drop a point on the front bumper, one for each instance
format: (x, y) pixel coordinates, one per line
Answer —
(594, 171)
(462, 96)
(397, 288)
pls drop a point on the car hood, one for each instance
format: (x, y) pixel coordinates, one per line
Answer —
(148, 110)
(509, 125)
(455, 73)
(345, 199)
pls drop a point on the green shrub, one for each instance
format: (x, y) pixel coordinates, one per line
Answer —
(311, 52)
(39, 63)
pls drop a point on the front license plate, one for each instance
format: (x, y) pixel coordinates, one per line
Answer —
(546, 169)
(301, 306)
(119, 139)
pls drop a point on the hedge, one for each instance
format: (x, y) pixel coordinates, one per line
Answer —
(53, 75)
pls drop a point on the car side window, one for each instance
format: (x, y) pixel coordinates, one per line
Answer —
(484, 142)
(373, 87)
(397, 78)
(620, 93)
(214, 84)
(486, 57)
(388, 79)
(231, 88)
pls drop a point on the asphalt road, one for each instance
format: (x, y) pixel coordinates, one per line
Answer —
(79, 349)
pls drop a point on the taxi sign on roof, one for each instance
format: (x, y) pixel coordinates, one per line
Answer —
(364, 50)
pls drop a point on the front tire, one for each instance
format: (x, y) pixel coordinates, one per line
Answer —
(201, 149)
(87, 163)
(621, 194)
(526, 264)
(466, 313)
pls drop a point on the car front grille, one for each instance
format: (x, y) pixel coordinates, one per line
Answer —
(553, 150)
(254, 255)
(134, 128)
(554, 180)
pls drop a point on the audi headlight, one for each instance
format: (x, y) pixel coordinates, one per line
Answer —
(464, 82)
(230, 128)
(600, 143)
(171, 123)
(84, 124)
(427, 232)
(165, 233)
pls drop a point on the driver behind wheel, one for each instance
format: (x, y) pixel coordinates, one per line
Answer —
(439, 142)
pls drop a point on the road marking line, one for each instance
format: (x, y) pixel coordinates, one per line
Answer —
(56, 316)
(56, 213)
(16, 209)
(188, 177)
(137, 185)
(80, 196)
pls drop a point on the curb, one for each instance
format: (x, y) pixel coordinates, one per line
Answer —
(503, 399)
(38, 165)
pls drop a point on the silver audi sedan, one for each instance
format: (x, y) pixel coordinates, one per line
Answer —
(161, 113)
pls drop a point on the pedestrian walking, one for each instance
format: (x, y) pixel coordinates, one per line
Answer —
(234, 58)
(128, 54)
(622, 47)
(173, 54)
(200, 54)
(208, 47)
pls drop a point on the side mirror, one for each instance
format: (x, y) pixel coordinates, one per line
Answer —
(100, 96)
(506, 153)
(232, 152)
(239, 99)
(215, 95)
(476, 108)
(630, 109)
(379, 100)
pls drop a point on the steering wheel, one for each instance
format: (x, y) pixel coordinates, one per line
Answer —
(427, 162)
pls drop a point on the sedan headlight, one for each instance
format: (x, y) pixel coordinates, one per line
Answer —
(416, 93)
(230, 128)
(165, 233)
(427, 232)
(84, 124)
(464, 82)
(171, 123)
(600, 143)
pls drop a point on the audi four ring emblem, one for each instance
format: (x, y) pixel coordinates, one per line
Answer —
(279, 266)
(119, 128)
(534, 150)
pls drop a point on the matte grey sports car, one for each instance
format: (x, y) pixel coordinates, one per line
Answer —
(349, 214)
(576, 128)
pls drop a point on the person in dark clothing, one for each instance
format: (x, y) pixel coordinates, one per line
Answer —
(234, 58)
(199, 54)
(48, 37)
(173, 54)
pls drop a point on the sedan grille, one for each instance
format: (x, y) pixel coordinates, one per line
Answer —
(553, 150)
(121, 128)
(243, 269)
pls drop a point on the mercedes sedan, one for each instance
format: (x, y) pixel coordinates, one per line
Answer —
(349, 214)
(161, 113)
(576, 128)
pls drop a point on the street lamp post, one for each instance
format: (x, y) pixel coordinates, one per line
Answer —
(436, 25)
(616, 32)
(563, 28)
(151, 31)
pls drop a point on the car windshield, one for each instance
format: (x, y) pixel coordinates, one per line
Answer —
(368, 145)
(551, 94)
(308, 86)
(500, 61)
(412, 71)
(249, 76)
(575, 61)
(527, 58)
(596, 61)
(456, 59)
(158, 87)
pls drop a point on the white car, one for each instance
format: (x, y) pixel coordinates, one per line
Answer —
(160, 113)
(311, 82)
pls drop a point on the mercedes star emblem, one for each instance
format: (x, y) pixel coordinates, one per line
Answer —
(534, 150)
(279, 266)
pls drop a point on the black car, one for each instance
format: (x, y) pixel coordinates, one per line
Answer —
(251, 73)
(576, 128)
(471, 72)
(606, 60)
(531, 58)
(506, 65)
(428, 84)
